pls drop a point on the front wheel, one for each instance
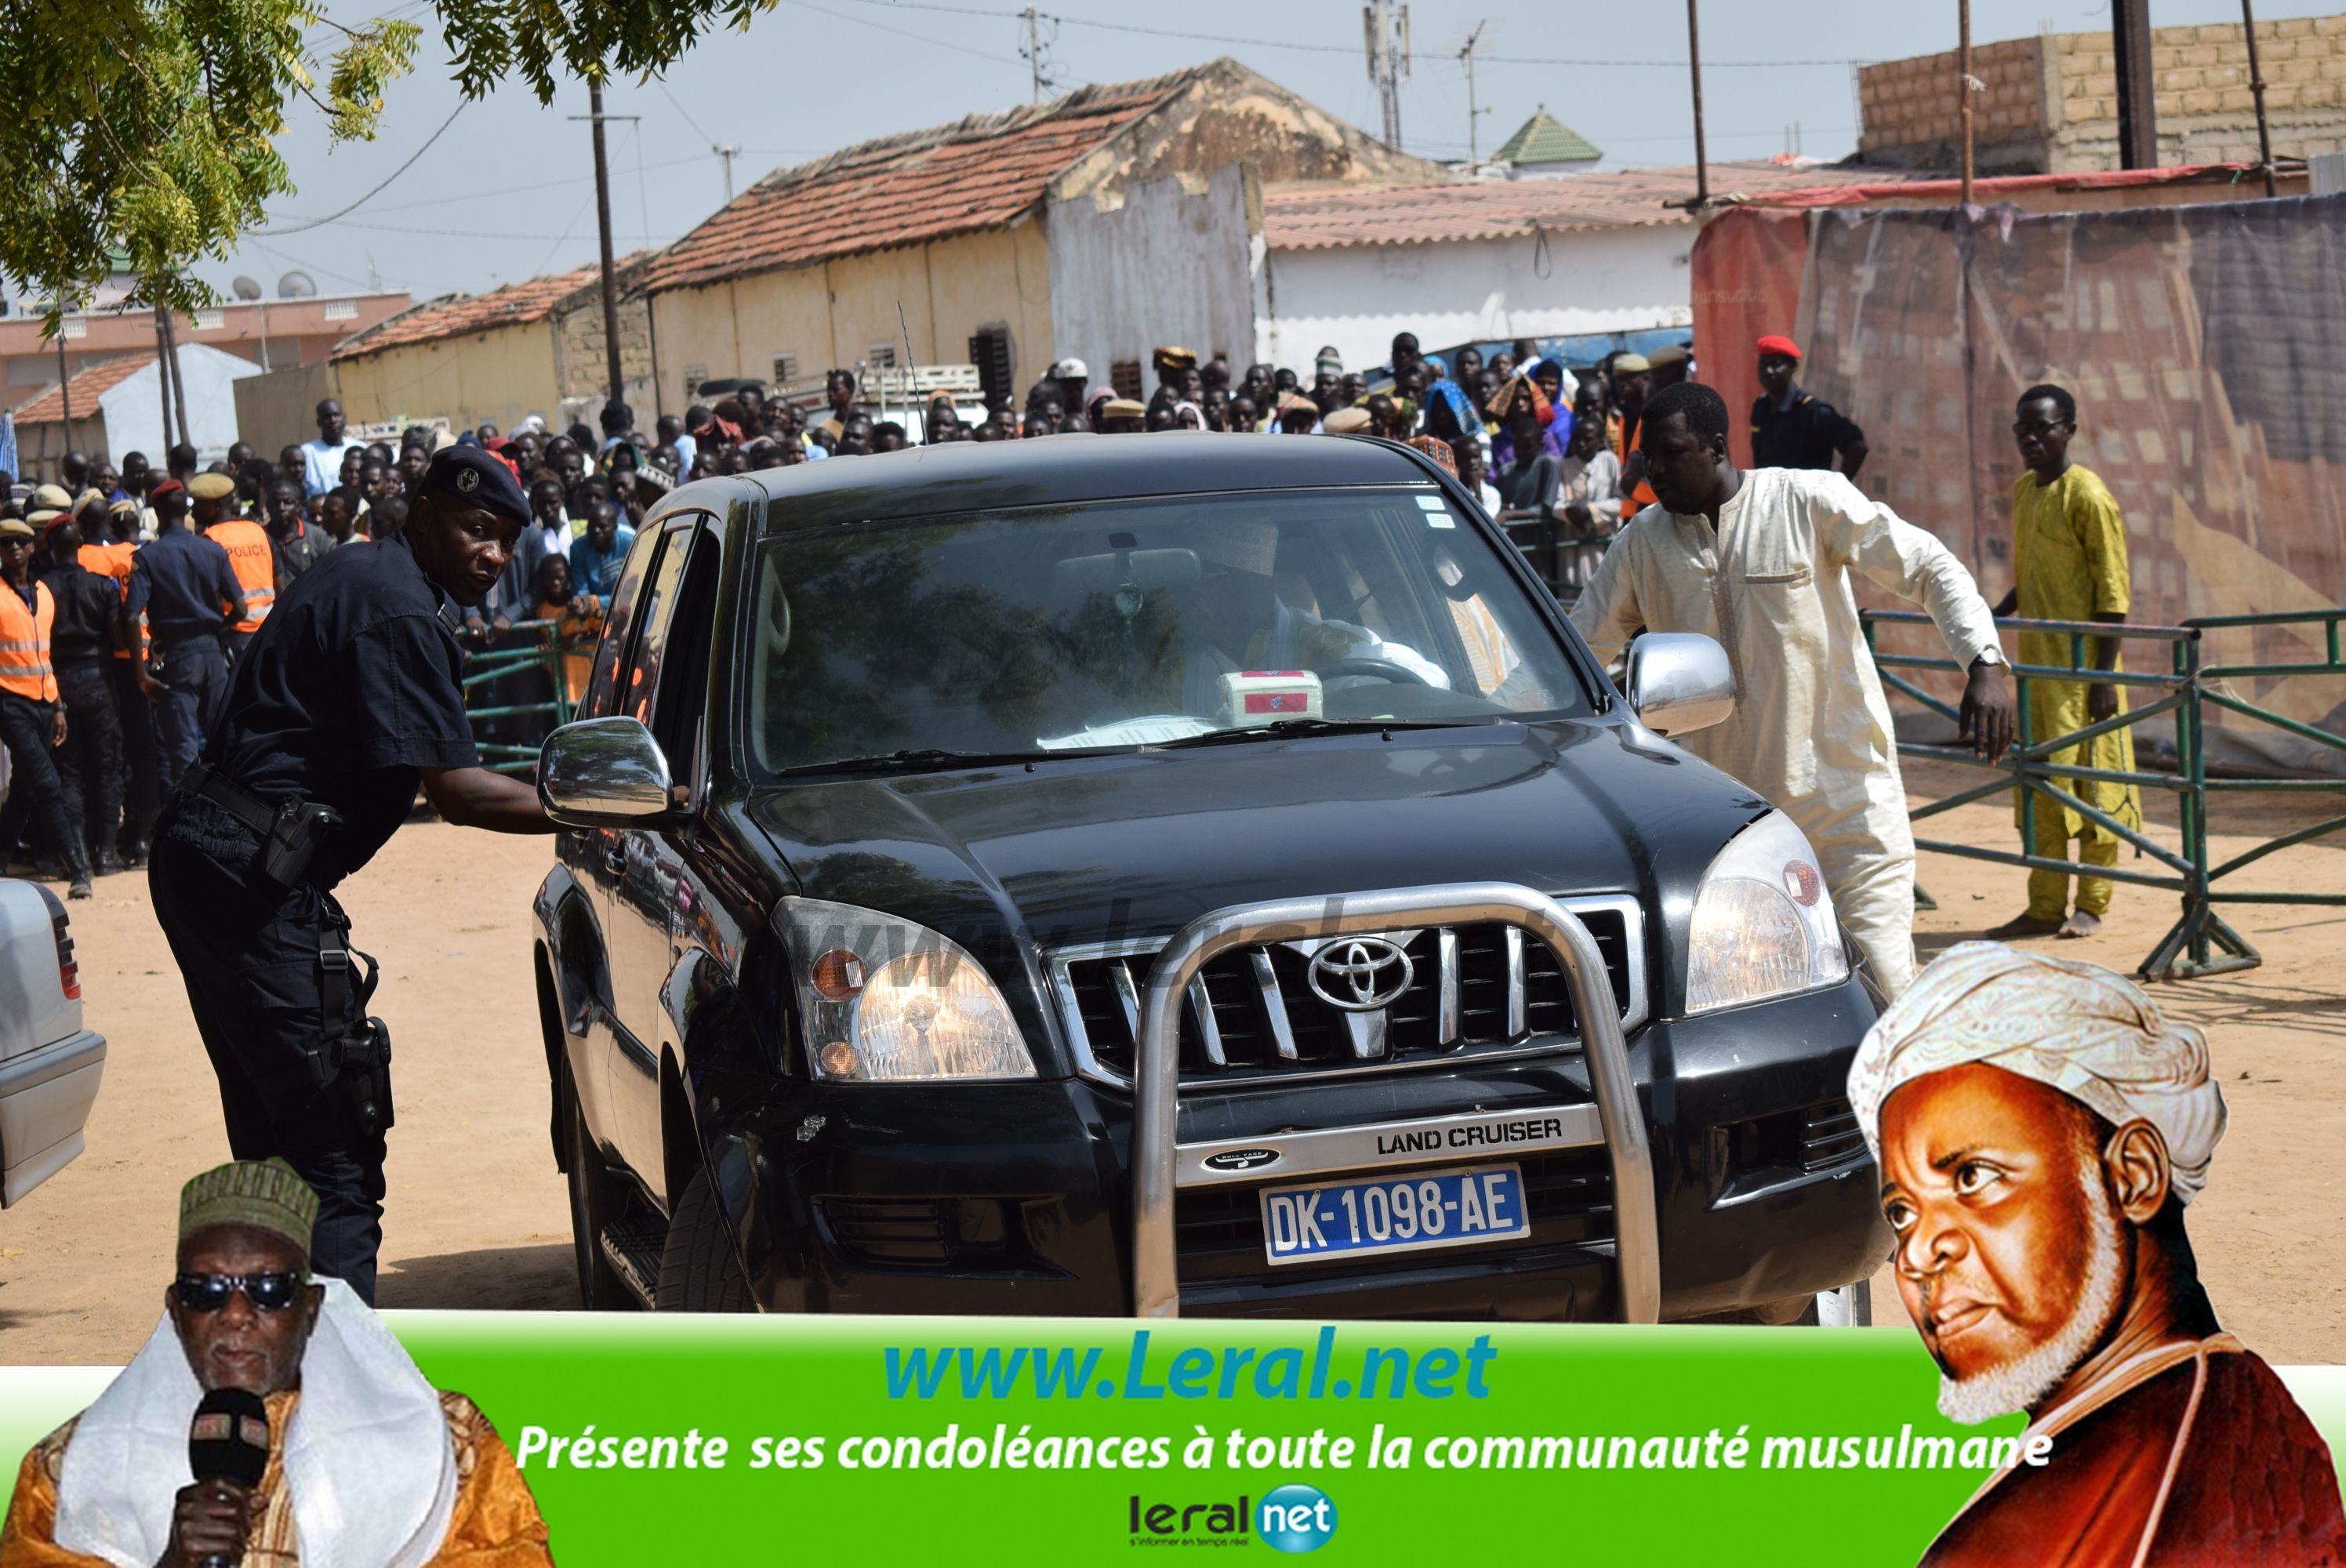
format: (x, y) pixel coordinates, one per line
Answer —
(698, 1272)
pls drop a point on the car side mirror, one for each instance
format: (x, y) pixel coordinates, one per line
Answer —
(602, 773)
(1679, 682)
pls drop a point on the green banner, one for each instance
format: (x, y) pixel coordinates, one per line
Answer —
(668, 1440)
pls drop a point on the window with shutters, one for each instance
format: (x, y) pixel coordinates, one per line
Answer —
(1124, 376)
(342, 310)
(785, 367)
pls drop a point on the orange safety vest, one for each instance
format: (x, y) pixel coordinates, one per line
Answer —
(115, 561)
(1617, 430)
(246, 543)
(24, 644)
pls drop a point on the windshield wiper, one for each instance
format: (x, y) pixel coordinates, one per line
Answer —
(1284, 726)
(913, 760)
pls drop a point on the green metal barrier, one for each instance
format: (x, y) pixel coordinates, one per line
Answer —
(2200, 942)
(541, 651)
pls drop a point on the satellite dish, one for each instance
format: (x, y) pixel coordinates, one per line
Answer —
(296, 286)
(246, 288)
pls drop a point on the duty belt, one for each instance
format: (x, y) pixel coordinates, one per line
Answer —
(230, 797)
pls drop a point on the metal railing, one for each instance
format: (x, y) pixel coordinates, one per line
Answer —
(539, 648)
(2200, 942)
(1158, 1166)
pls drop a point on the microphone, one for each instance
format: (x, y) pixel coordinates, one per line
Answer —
(230, 1441)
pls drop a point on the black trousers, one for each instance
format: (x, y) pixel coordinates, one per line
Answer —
(34, 793)
(136, 717)
(89, 764)
(248, 951)
(195, 681)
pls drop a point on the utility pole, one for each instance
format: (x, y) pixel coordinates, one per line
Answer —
(178, 379)
(596, 116)
(728, 154)
(1473, 114)
(1694, 67)
(65, 387)
(1387, 26)
(1037, 77)
(2256, 86)
(1963, 87)
(163, 384)
(2138, 103)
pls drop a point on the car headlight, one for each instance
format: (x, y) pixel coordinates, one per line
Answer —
(1763, 924)
(886, 1001)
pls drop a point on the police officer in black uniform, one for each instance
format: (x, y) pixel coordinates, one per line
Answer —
(347, 698)
(186, 586)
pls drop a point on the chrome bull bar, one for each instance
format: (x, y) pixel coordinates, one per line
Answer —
(1156, 1150)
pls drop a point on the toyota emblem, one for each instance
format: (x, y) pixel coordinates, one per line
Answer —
(1360, 973)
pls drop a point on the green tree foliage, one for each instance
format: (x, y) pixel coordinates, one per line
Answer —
(149, 127)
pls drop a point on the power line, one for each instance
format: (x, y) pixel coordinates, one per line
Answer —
(923, 37)
(1326, 48)
(395, 174)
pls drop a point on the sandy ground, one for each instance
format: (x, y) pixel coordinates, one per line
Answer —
(477, 1216)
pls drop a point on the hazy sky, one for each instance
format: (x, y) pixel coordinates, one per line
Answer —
(507, 191)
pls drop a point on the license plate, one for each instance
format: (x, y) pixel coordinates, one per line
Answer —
(1410, 1213)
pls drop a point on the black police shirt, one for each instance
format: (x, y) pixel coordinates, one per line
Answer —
(352, 684)
(1808, 434)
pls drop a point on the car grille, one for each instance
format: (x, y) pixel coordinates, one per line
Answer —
(1830, 1135)
(1217, 1231)
(1474, 990)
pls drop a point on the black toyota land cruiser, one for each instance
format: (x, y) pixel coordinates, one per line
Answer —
(1172, 872)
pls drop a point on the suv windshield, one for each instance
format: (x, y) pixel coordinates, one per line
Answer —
(1134, 623)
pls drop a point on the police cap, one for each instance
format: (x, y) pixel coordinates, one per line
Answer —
(209, 486)
(15, 528)
(471, 476)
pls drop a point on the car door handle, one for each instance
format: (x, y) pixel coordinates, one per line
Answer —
(614, 863)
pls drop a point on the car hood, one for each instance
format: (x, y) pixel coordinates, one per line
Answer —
(1139, 844)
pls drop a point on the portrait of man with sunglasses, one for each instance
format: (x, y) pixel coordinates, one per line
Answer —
(271, 1419)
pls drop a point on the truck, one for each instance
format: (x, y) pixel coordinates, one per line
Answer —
(1174, 873)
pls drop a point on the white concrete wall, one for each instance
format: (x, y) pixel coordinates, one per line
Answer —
(133, 407)
(1357, 297)
(1167, 267)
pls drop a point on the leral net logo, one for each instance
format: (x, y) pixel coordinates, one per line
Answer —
(1296, 1518)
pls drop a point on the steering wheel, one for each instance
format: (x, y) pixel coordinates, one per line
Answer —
(1382, 670)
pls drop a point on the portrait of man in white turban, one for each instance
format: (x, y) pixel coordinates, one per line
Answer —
(2041, 1128)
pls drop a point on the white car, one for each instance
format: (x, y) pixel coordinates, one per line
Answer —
(49, 1065)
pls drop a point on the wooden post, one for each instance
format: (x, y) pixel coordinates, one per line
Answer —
(2256, 86)
(1694, 67)
(2137, 104)
(1963, 87)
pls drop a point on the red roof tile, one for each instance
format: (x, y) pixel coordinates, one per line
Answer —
(514, 305)
(976, 173)
(49, 407)
(1313, 220)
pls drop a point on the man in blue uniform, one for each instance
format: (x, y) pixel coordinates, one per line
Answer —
(348, 699)
(186, 587)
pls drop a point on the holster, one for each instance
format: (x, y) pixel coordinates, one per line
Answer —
(352, 1060)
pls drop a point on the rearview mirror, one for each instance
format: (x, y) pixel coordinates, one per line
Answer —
(1679, 682)
(602, 773)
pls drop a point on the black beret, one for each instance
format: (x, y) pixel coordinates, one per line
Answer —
(473, 476)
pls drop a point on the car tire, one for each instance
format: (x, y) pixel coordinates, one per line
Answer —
(596, 1199)
(698, 1272)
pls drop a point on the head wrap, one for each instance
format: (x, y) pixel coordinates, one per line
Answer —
(1518, 387)
(2072, 1026)
(1435, 447)
(1775, 345)
(1462, 407)
(266, 1195)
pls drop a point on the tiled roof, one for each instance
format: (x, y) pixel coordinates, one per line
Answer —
(514, 305)
(976, 173)
(1497, 210)
(1543, 138)
(49, 408)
